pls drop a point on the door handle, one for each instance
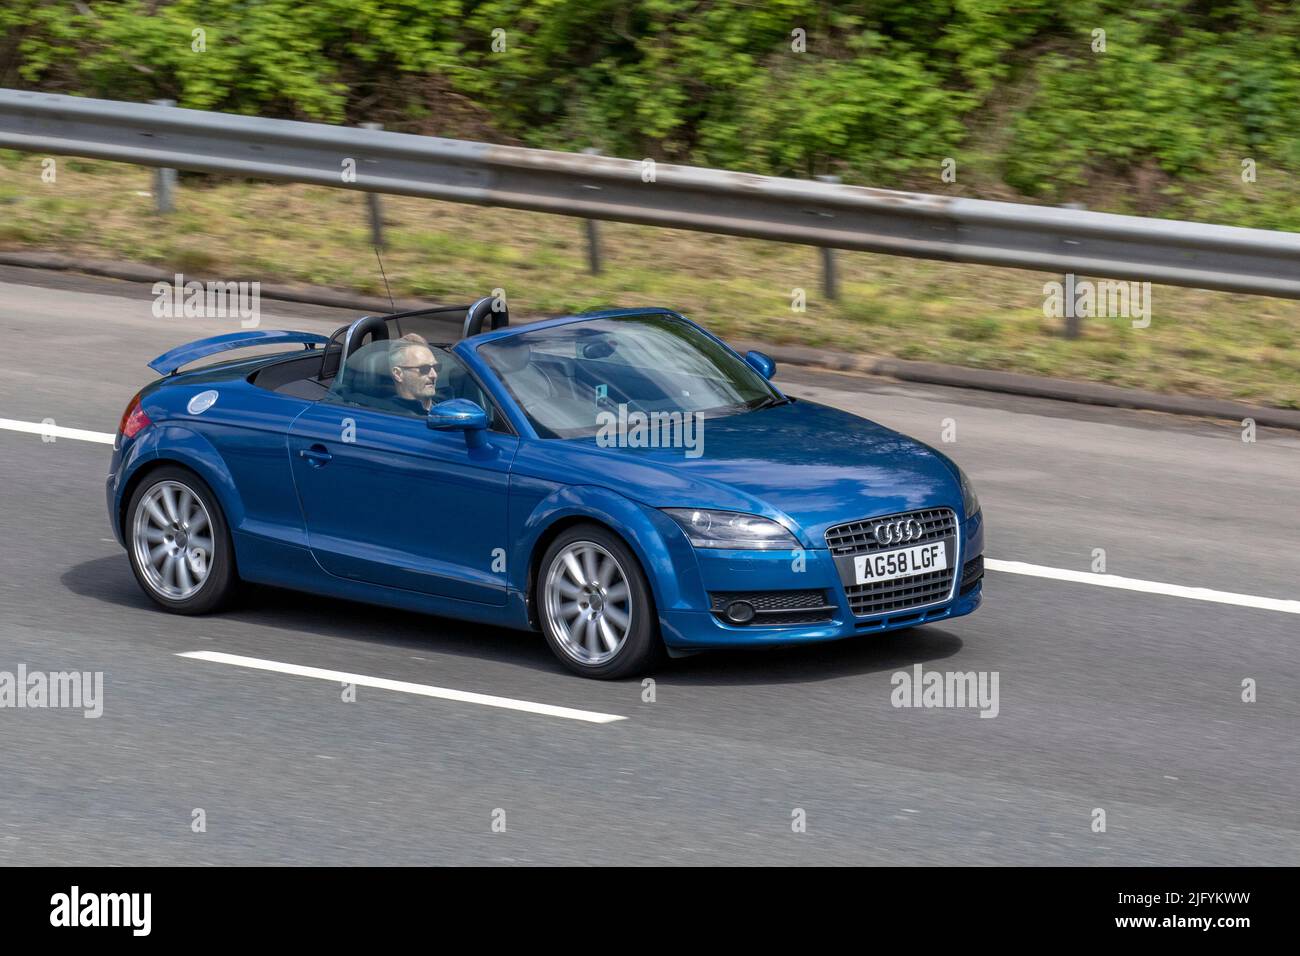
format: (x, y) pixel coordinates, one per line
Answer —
(316, 455)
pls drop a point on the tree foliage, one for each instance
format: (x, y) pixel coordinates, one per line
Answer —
(882, 92)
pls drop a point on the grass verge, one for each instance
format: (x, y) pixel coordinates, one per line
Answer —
(1198, 342)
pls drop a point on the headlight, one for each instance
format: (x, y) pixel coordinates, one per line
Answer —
(731, 529)
(970, 501)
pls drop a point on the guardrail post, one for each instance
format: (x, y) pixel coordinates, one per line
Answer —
(164, 180)
(830, 276)
(593, 233)
(375, 206)
(1072, 328)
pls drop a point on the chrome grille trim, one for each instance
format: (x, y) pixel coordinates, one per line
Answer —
(914, 592)
(856, 537)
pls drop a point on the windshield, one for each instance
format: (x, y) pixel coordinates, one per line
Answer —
(563, 377)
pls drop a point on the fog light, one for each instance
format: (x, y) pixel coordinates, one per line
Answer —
(740, 612)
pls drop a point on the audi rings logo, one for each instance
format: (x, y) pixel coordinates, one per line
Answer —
(898, 532)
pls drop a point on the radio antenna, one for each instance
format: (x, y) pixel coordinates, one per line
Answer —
(385, 275)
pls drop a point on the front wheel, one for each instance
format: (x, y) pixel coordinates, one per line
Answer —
(178, 542)
(595, 605)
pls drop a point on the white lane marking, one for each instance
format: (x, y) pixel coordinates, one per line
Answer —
(1147, 587)
(57, 431)
(424, 690)
(1006, 567)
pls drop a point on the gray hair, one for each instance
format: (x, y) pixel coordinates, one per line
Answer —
(398, 349)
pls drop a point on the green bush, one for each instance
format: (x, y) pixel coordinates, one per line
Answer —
(881, 93)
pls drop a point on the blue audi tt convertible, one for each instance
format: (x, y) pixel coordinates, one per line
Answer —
(621, 481)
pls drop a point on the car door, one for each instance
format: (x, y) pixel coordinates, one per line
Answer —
(389, 501)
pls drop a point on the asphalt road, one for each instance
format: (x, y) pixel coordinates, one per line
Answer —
(1124, 701)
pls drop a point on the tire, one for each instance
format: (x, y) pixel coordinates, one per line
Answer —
(595, 628)
(179, 566)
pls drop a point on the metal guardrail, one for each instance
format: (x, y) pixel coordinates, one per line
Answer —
(597, 187)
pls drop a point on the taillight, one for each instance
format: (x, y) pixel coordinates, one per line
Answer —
(134, 420)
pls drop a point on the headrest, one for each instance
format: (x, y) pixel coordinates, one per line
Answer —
(368, 372)
(376, 363)
(512, 356)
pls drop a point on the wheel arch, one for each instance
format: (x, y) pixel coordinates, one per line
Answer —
(665, 556)
(186, 449)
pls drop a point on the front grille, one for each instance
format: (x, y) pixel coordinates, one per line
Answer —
(856, 537)
(778, 607)
(899, 594)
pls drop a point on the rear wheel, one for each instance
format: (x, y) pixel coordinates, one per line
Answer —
(178, 542)
(595, 605)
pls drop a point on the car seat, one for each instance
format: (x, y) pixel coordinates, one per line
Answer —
(367, 375)
(529, 384)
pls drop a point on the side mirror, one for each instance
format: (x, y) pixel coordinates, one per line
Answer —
(457, 414)
(764, 365)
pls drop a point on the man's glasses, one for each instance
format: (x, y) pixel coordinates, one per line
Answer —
(424, 370)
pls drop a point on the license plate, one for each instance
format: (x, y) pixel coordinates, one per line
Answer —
(902, 563)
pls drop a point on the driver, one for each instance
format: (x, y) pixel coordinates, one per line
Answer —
(414, 372)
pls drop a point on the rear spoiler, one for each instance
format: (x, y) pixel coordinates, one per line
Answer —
(169, 362)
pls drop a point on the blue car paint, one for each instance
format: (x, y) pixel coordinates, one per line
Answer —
(298, 525)
(660, 546)
(401, 504)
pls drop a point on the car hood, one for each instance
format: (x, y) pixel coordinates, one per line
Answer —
(811, 464)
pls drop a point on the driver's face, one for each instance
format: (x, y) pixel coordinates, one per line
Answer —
(417, 375)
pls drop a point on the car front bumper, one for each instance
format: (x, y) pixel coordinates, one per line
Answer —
(701, 630)
(781, 583)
